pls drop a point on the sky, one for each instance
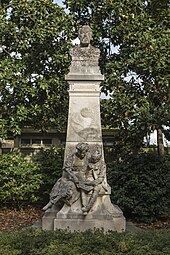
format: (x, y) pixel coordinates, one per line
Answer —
(59, 2)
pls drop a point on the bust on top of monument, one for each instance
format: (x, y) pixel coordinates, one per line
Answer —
(85, 57)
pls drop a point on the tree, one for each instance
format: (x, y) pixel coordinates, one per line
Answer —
(137, 76)
(35, 43)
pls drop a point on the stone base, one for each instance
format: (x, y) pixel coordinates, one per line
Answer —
(48, 218)
(117, 224)
(104, 216)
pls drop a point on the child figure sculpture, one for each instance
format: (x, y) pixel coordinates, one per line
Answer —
(95, 175)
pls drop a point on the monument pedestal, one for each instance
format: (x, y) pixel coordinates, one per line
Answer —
(83, 190)
(101, 217)
(82, 225)
(104, 216)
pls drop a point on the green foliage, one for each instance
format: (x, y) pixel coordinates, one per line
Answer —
(24, 182)
(141, 186)
(137, 75)
(50, 161)
(35, 43)
(20, 180)
(36, 242)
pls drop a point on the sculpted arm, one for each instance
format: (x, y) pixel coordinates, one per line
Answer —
(68, 169)
(101, 175)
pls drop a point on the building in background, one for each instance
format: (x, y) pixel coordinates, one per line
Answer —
(30, 140)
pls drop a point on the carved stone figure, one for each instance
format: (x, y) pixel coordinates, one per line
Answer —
(66, 189)
(85, 35)
(85, 57)
(95, 175)
(63, 192)
(83, 173)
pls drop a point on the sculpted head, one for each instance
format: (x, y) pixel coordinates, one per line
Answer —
(85, 35)
(96, 156)
(81, 150)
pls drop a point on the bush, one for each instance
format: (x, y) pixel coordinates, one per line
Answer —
(20, 180)
(24, 182)
(50, 161)
(141, 186)
(36, 242)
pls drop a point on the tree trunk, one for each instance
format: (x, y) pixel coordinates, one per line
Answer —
(160, 142)
(0, 147)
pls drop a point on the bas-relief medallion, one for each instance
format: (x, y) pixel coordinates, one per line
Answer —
(83, 124)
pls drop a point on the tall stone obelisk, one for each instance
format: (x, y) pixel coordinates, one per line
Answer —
(84, 78)
(83, 191)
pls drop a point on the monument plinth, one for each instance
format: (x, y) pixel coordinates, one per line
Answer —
(80, 199)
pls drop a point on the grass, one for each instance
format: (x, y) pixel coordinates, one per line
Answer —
(37, 242)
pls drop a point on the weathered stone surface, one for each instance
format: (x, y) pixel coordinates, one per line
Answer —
(80, 199)
(85, 57)
(85, 224)
(85, 60)
(84, 77)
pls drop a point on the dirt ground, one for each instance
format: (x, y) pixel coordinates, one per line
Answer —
(14, 220)
(162, 224)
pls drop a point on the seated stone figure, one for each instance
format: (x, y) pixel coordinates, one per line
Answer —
(82, 175)
(67, 188)
(63, 192)
(95, 175)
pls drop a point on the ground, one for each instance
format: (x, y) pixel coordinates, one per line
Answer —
(162, 224)
(14, 220)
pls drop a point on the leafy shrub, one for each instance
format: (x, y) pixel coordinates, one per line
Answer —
(141, 186)
(23, 181)
(20, 180)
(37, 242)
(50, 161)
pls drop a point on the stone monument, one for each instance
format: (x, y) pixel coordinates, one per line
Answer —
(80, 199)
